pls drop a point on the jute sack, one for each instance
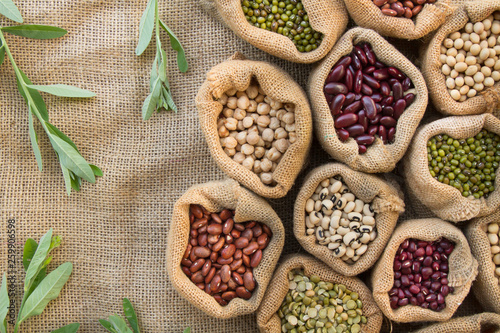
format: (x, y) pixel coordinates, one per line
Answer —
(444, 200)
(369, 188)
(379, 157)
(366, 14)
(328, 17)
(238, 73)
(462, 270)
(486, 322)
(488, 99)
(485, 288)
(216, 196)
(267, 317)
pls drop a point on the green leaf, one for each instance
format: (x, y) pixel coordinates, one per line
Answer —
(29, 251)
(162, 70)
(146, 27)
(46, 291)
(10, 11)
(107, 325)
(187, 330)
(63, 90)
(4, 304)
(71, 158)
(119, 324)
(35, 96)
(71, 328)
(38, 259)
(2, 54)
(34, 140)
(154, 74)
(169, 100)
(75, 181)
(55, 242)
(96, 170)
(36, 31)
(67, 178)
(149, 105)
(130, 314)
(176, 45)
(54, 130)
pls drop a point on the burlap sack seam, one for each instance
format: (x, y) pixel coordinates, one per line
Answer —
(476, 323)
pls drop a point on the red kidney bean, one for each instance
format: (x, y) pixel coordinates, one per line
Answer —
(361, 55)
(356, 63)
(372, 129)
(225, 214)
(228, 226)
(349, 99)
(354, 107)
(349, 80)
(370, 56)
(256, 258)
(397, 90)
(196, 211)
(381, 74)
(382, 133)
(241, 242)
(371, 81)
(346, 120)
(388, 111)
(218, 246)
(369, 106)
(362, 149)
(243, 293)
(214, 229)
(388, 121)
(335, 88)
(366, 90)
(251, 248)
(336, 104)
(378, 107)
(409, 98)
(345, 61)
(376, 119)
(248, 281)
(369, 70)
(363, 120)
(343, 134)
(247, 233)
(336, 74)
(377, 97)
(358, 81)
(199, 223)
(228, 251)
(399, 108)
(365, 139)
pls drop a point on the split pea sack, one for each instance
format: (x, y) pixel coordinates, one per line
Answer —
(470, 58)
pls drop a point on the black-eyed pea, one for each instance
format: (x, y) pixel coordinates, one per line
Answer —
(320, 234)
(309, 224)
(354, 216)
(324, 241)
(318, 204)
(325, 222)
(340, 204)
(373, 235)
(361, 250)
(310, 231)
(335, 187)
(315, 217)
(349, 207)
(368, 220)
(356, 245)
(309, 205)
(344, 221)
(340, 251)
(333, 246)
(335, 221)
(368, 210)
(343, 231)
(350, 252)
(327, 204)
(366, 228)
(365, 238)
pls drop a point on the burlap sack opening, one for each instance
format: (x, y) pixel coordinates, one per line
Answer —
(379, 157)
(444, 200)
(328, 17)
(369, 188)
(485, 288)
(238, 73)
(367, 15)
(267, 317)
(488, 99)
(479, 323)
(462, 270)
(216, 196)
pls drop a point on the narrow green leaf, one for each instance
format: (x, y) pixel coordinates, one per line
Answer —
(38, 259)
(130, 314)
(10, 11)
(96, 170)
(29, 251)
(71, 328)
(76, 181)
(162, 70)
(34, 140)
(71, 158)
(154, 73)
(146, 27)
(187, 330)
(4, 304)
(2, 54)
(35, 96)
(176, 45)
(46, 291)
(107, 325)
(36, 31)
(55, 242)
(149, 105)
(169, 100)
(119, 324)
(63, 90)
(67, 178)
(57, 132)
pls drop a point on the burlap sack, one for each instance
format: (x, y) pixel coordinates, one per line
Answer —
(480, 323)
(267, 317)
(485, 288)
(369, 188)
(379, 157)
(238, 73)
(328, 17)
(216, 196)
(462, 270)
(488, 99)
(444, 200)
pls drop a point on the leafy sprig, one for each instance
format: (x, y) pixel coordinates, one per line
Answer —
(160, 95)
(74, 167)
(117, 324)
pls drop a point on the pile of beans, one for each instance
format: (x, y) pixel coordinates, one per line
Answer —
(312, 305)
(469, 164)
(493, 235)
(339, 220)
(420, 274)
(403, 8)
(366, 97)
(256, 131)
(285, 17)
(221, 254)
(470, 58)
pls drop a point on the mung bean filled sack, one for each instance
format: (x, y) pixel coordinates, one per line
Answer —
(461, 64)
(257, 124)
(301, 31)
(222, 250)
(452, 165)
(367, 100)
(482, 322)
(345, 218)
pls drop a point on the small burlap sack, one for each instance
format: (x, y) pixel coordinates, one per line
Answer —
(369, 188)
(216, 196)
(462, 270)
(238, 73)
(488, 99)
(444, 200)
(379, 157)
(267, 317)
(480, 323)
(485, 288)
(367, 15)
(328, 17)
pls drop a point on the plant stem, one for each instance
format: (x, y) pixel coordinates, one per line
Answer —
(16, 328)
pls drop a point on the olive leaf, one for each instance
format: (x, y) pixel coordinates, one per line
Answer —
(4, 304)
(119, 324)
(63, 90)
(29, 250)
(176, 45)
(37, 260)
(34, 140)
(146, 26)
(71, 158)
(10, 11)
(107, 325)
(35, 31)
(71, 328)
(130, 314)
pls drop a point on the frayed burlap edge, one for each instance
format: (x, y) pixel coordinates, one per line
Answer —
(481, 322)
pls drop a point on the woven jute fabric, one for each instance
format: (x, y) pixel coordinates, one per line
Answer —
(367, 15)
(462, 270)
(383, 197)
(479, 323)
(238, 73)
(267, 317)
(485, 288)
(215, 197)
(379, 157)
(328, 17)
(488, 100)
(444, 200)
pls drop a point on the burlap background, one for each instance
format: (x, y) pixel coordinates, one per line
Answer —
(369, 188)
(269, 321)
(379, 157)
(484, 322)
(462, 270)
